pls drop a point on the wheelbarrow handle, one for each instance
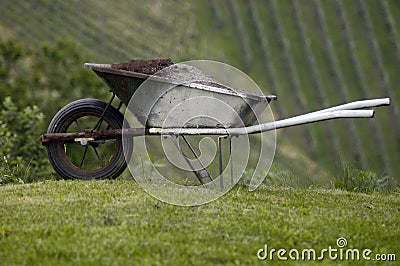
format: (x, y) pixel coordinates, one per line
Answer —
(293, 121)
(306, 119)
(357, 105)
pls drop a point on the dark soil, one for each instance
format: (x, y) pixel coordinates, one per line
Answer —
(149, 67)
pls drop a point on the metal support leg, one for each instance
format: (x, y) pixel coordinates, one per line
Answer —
(203, 173)
(220, 162)
(175, 141)
(230, 159)
(221, 179)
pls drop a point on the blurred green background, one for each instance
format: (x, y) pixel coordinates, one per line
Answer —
(312, 54)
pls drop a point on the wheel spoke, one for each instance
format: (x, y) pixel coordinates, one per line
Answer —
(98, 156)
(83, 157)
(98, 125)
(77, 125)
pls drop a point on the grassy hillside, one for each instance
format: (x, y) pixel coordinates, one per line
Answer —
(116, 222)
(110, 32)
(311, 54)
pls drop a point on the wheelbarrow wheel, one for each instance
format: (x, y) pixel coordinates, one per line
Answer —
(100, 159)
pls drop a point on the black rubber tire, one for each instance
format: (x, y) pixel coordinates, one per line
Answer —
(57, 151)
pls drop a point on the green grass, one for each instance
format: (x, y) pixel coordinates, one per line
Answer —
(116, 222)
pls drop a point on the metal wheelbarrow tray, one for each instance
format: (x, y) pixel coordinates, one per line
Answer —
(66, 131)
(166, 93)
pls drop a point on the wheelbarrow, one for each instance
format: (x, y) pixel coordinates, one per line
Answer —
(84, 139)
